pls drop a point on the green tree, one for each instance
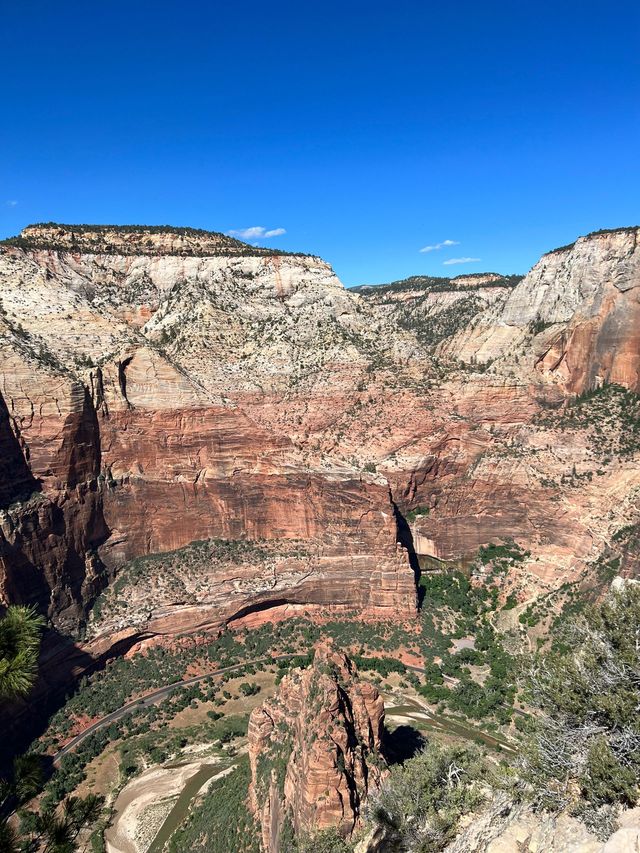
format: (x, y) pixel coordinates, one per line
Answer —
(584, 751)
(421, 802)
(9, 841)
(326, 841)
(20, 631)
(51, 831)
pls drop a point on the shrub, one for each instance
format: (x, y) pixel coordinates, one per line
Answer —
(421, 802)
(588, 686)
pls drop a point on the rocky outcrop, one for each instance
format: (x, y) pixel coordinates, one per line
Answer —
(316, 750)
(434, 309)
(576, 312)
(508, 828)
(505, 828)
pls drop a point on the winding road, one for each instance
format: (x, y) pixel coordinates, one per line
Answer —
(162, 692)
(153, 698)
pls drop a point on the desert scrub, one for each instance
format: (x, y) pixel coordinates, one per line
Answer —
(509, 550)
(453, 607)
(421, 802)
(417, 511)
(611, 417)
(582, 753)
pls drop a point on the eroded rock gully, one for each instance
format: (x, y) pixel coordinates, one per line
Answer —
(162, 388)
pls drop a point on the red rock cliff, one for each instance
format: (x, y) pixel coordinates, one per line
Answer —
(118, 448)
(315, 749)
(164, 388)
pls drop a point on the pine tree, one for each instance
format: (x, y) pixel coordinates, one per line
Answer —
(20, 631)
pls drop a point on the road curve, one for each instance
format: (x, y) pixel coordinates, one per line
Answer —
(162, 692)
(155, 697)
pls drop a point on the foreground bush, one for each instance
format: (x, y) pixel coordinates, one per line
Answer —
(584, 753)
(421, 802)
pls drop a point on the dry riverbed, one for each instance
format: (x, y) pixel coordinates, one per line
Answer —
(143, 805)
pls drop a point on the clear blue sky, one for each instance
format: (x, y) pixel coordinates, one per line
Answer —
(366, 130)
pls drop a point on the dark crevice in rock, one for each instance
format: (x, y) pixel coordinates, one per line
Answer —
(404, 537)
(122, 378)
(259, 607)
(16, 480)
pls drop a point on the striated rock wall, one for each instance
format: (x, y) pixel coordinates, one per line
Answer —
(316, 749)
(163, 387)
(487, 445)
(578, 312)
(119, 372)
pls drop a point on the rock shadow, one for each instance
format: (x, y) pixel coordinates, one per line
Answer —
(404, 537)
(403, 743)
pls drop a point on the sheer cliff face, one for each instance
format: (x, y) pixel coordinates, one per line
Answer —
(577, 310)
(315, 750)
(487, 448)
(164, 387)
(127, 429)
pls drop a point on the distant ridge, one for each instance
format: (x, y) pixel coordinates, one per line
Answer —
(134, 240)
(152, 229)
(624, 229)
(428, 283)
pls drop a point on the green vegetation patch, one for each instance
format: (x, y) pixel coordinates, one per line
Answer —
(611, 417)
(412, 514)
(454, 607)
(220, 822)
(583, 753)
(437, 284)
(422, 801)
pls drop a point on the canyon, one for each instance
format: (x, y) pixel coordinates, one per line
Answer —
(431, 475)
(163, 388)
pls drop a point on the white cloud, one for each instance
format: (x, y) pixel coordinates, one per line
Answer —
(11, 202)
(443, 245)
(460, 261)
(256, 232)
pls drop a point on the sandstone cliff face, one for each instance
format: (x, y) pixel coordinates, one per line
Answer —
(165, 387)
(576, 311)
(315, 749)
(124, 377)
(484, 448)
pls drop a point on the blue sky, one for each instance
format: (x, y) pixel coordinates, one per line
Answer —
(366, 131)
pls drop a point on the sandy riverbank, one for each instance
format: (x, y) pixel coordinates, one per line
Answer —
(142, 806)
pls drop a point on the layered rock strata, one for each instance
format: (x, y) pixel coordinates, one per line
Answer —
(165, 386)
(316, 750)
(125, 357)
